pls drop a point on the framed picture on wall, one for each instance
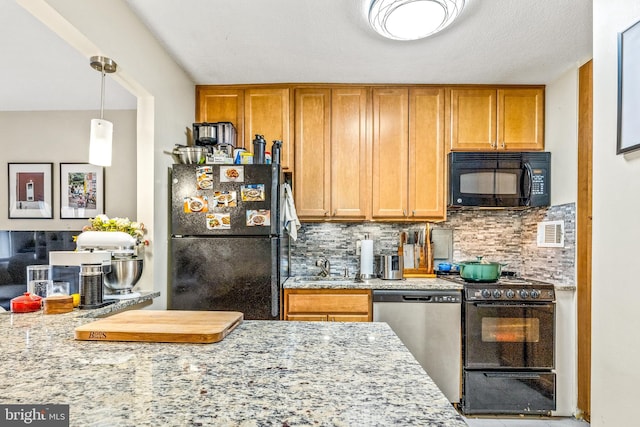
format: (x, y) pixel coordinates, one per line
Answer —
(81, 190)
(629, 89)
(30, 190)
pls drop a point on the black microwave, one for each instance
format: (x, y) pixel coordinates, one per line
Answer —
(499, 180)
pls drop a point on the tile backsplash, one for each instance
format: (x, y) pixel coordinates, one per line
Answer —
(506, 236)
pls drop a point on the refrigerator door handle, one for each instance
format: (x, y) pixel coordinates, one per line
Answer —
(275, 278)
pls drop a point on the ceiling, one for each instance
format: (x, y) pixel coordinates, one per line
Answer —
(250, 41)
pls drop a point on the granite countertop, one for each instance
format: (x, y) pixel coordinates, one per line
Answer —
(119, 305)
(263, 373)
(346, 283)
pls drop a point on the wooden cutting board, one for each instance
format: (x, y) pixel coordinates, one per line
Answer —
(162, 326)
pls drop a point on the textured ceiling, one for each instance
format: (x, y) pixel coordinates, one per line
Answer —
(249, 41)
(270, 41)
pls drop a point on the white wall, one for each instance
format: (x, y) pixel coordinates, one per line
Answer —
(63, 137)
(166, 104)
(616, 234)
(561, 136)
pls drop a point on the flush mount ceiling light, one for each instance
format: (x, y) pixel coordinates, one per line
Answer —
(412, 19)
(101, 130)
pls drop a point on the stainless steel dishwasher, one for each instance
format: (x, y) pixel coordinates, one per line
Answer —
(428, 322)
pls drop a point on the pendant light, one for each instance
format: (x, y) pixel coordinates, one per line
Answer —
(101, 138)
(412, 19)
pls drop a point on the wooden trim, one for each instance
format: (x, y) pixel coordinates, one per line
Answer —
(369, 85)
(583, 233)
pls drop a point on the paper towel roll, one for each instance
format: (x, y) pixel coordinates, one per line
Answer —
(366, 257)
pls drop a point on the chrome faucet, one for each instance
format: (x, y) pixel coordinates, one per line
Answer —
(325, 266)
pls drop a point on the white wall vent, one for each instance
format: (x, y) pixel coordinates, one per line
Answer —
(551, 234)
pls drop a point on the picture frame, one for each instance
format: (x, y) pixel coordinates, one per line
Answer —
(30, 190)
(81, 190)
(628, 89)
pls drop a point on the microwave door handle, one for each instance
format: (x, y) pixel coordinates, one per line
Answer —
(529, 191)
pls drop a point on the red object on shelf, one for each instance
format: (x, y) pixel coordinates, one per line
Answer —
(26, 303)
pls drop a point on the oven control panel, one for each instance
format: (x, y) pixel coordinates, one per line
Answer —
(509, 293)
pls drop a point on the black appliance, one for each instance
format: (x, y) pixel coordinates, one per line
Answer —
(226, 239)
(509, 347)
(499, 180)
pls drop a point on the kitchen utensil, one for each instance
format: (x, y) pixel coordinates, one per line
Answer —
(124, 274)
(366, 258)
(91, 285)
(480, 270)
(57, 304)
(390, 267)
(275, 152)
(444, 266)
(26, 303)
(226, 133)
(162, 326)
(38, 278)
(259, 145)
(205, 133)
(189, 155)
(57, 288)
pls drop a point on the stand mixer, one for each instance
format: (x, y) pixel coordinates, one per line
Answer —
(115, 251)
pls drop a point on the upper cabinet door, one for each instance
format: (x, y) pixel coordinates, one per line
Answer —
(312, 183)
(390, 152)
(427, 198)
(520, 119)
(473, 119)
(221, 105)
(266, 113)
(350, 191)
(497, 119)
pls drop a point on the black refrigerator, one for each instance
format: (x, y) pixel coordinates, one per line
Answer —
(225, 245)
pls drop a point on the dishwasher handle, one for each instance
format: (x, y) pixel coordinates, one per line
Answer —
(412, 298)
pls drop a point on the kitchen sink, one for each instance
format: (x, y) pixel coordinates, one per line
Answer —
(321, 279)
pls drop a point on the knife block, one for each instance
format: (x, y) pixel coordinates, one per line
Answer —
(425, 267)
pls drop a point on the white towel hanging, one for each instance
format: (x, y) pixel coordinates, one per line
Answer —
(290, 221)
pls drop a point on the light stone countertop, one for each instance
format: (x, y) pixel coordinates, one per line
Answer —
(344, 283)
(264, 373)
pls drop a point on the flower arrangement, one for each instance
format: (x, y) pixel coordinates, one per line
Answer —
(104, 223)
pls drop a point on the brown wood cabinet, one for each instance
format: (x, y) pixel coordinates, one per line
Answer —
(510, 119)
(331, 153)
(252, 110)
(408, 176)
(337, 305)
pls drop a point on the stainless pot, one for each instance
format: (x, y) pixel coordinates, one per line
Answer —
(205, 133)
(390, 267)
(480, 271)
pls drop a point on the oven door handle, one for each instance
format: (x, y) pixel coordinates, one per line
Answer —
(529, 305)
(518, 375)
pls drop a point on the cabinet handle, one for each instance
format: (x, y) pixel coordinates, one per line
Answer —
(404, 212)
(504, 145)
(413, 213)
(335, 212)
(326, 213)
(492, 144)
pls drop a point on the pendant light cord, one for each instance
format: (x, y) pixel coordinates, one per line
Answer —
(102, 97)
